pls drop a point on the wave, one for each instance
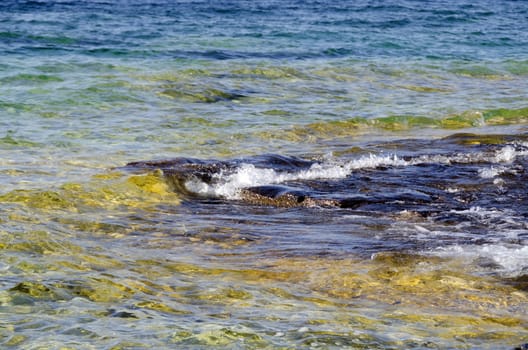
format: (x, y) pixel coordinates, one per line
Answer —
(228, 184)
(506, 259)
(227, 179)
(460, 197)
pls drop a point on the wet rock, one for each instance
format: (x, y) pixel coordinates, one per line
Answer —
(354, 202)
(519, 282)
(121, 314)
(29, 291)
(282, 196)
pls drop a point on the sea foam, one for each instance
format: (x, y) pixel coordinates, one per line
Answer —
(509, 259)
(228, 183)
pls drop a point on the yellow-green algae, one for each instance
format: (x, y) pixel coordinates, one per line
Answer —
(477, 71)
(104, 191)
(224, 337)
(276, 112)
(190, 94)
(358, 125)
(517, 67)
(170, 77)
(433, 294)
(403, 122)
(31, 78)
(11, 141)
(422, 296)
(476, 139)
(421, 88)
(15, 340)
(38, 242)
(271, 72)
(95, 289)
(504, 116)
(392, 278)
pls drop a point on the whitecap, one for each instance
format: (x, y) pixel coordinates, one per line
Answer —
(490, 173)
(510, 259)
(227, 184)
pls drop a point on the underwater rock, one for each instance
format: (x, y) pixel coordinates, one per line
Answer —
(282, 196)
(178, 171)
(192, 94)
(447, 187)
(519, 282)
(121, 314)
(286, 182)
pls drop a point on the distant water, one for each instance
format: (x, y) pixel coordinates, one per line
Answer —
(271, 174)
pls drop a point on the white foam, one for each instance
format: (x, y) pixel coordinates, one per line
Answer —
(512, 260)
(229, 184)
(490, 173)
(480, 212)
(506, 154)
(499, 182)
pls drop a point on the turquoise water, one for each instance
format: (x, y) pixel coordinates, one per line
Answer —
(347, 175)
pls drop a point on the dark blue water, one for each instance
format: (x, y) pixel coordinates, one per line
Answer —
(280, 30)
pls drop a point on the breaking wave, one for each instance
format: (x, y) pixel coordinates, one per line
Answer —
(228, 182)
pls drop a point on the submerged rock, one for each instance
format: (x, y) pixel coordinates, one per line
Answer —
(282, 196)
(449, 187)
(291, 182)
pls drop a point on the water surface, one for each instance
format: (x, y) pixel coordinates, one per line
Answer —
(279, 174)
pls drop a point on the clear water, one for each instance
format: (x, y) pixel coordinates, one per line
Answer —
(401, 124)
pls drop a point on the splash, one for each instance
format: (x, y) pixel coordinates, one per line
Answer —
(506, 259)
(228, 183)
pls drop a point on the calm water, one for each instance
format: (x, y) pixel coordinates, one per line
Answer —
(274, 174)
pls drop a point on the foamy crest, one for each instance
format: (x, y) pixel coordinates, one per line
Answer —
(229, 184)
(485, 213)
(506, 154)
(509, 153)
(511, 260)
(490, 173)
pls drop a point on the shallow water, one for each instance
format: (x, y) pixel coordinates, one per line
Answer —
(272, 175)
